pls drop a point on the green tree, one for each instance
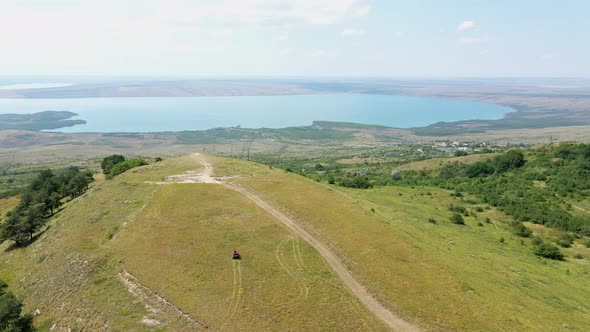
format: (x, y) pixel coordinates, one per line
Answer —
(54, 202)
(509, 160)
(109, 162)
(11, 318)
(22, 224)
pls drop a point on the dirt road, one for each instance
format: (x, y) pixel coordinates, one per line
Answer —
(389, 318)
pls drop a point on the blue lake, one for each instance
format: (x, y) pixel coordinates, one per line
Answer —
(197, 113)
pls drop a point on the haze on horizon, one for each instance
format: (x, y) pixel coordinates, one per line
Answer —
(379, 38)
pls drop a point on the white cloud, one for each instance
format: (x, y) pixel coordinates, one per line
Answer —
(399, 34)
(352, 32)
(263, 12)
(280, 38)
(547, 57)
(472, 40)
(466, 25)
(321, 54)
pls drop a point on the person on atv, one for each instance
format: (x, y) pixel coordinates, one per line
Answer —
(236, 254)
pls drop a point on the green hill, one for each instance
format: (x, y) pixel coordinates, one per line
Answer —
(140, 253)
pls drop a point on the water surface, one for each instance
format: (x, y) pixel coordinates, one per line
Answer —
(197, 113)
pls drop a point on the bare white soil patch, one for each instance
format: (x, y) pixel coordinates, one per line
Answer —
(155, 304)
(203, 175)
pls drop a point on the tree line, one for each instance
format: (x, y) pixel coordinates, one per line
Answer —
(40, 200)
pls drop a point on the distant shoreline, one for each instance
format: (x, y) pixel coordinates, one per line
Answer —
(532, 105)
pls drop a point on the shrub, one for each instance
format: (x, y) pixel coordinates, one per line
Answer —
(480, 224)
(522, 231)
(109, 162)
(586, 243)
(457, 219)
(461, 153)
(550, 251)
(566, 240)
(126, 165)
(578, 256)
(509, 160)
(537, 240)
(432, 220)
(487, 220)
(457, 209)
(502, 240)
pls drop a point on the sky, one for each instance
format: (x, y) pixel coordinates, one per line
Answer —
(307, 38)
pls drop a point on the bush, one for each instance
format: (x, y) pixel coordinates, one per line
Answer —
(461, 153)
(522, 231)
(502, 240)
(566, 240)
(457, 219)
(550, 251)
(509, 160)
(358, 182)
(432, 220)
(126, 165)
(586, 243)
(109, 162)
(537, 240)
(487, 220)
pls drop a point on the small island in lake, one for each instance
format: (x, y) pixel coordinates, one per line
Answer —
(39, 121)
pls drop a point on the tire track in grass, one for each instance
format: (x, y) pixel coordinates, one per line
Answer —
(329, 254)
(293, 273)
(231, 310)
(393, 321)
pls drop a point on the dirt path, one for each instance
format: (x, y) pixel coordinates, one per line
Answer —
(155, 304)
(389, 318)
(580, 208)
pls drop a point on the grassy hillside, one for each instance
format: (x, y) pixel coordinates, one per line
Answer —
(443, 275)
(112, 255)
(175, 240)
